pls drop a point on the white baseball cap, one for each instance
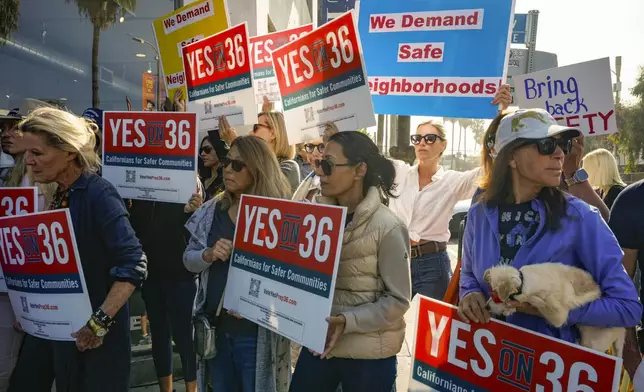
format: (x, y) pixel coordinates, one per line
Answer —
(529, 124)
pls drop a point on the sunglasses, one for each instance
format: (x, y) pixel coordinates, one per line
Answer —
(236, 164)
(548, 146)
(327, 165)
(257, 126)
(206, 149)
(430, 138)
(310, 147)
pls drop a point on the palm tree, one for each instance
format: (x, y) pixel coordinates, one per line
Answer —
(478, 130)
(465, 123)
(453, 122)
(103, 14)
(9, 15)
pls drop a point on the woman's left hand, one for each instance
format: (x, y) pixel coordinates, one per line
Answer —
(503, 97)
(524, 307)
(336, 329)
(86, 339)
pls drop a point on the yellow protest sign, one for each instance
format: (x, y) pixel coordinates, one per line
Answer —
(181, 27)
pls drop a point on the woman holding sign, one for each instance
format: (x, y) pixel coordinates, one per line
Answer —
(524, 219)
(373, 286)
(248, 357)
(60, 149)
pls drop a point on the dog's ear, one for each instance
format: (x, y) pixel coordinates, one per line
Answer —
(486, 276)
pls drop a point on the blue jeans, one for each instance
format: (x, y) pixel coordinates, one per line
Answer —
(313, 374)
(233, 368)
(430, 275)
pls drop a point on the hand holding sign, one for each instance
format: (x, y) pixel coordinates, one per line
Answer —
(472, 308)
(336, 329)
(86, 339)
(226, 132)
(221, 251)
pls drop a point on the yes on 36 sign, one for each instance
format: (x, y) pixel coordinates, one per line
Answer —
(43, 273)
(151, 155)
(16, 201)
(322, 79)
(283, 267)
(451, 355)
(260, 48)
(219, 78)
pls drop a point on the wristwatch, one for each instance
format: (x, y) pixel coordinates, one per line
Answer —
(580, 176)
(99, 330)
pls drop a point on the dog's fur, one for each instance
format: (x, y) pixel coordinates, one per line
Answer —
(554, 289)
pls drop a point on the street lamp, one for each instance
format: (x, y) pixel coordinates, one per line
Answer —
(158, 58)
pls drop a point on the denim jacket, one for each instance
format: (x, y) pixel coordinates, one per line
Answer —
(583, 240)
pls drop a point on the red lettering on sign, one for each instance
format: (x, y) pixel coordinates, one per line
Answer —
(260, 47)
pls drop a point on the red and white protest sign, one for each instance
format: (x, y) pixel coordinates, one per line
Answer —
(219, 78)
(451, 355)
(322, 79)
(283, 267)
(16, 201)
(260, 48)
(43, 273)
(151, 155)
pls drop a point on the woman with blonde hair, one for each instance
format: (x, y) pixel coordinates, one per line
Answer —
(249, 357)
(272, 129)
(60, 150)
(603, 175)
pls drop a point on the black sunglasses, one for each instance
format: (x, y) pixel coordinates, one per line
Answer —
(548, 146)
(257, 126)
(310, 147)
(430, 138)
(237, 164)
(206, 149)
(327, 165)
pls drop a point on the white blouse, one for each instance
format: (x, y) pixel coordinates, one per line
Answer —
(427, 212)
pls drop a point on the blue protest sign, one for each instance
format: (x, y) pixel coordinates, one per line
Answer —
(331, 9)
(435, 58)
(520, 29)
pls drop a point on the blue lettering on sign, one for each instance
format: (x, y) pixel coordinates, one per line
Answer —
(155, 132)
(506, 361)
(515, 365)
(320, 57)
(290, 232)
(30, 244)
(220, 57)
(554, 88)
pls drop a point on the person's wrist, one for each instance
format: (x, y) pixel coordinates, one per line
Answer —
(206, 255)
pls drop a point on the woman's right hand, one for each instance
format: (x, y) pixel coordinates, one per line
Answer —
(194, 203)
(226, 132)
(221, 251)
(472, 308)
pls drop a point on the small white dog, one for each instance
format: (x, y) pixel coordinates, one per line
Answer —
(554, 289)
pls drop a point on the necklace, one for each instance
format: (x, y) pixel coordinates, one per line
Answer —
(60, 200)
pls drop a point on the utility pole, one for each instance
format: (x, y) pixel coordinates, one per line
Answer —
(533, 23)
(618, 82)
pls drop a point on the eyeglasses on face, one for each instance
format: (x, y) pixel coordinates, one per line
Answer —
(310, 148)
(548, 146)
(237, 165)
(430, 138)
(205, 149)
(256, 127)
(327, 165)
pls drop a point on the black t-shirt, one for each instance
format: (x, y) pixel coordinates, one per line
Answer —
(627, 220)
(611, 195)
(517, 224)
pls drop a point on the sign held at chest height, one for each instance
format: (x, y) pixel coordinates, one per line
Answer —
(219, 78)
(578, 95)
(451, 355)
(40, 261)
(321, 78)
(151, 155)
(283, 267)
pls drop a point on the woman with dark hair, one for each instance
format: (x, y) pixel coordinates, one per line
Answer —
(524, 219)
(211, 151)
(249, 357)
(373, 289)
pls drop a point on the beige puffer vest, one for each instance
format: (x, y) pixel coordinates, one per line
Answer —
(358, 280)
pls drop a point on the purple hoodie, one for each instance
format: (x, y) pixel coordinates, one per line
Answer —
(584, 241)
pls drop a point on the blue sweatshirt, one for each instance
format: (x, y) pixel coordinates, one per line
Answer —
(583, 240)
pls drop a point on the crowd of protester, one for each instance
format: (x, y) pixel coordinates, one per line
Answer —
(535, 199)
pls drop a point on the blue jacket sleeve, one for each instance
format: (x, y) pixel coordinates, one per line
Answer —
(601, 255)
(468, 282)
(129, 262)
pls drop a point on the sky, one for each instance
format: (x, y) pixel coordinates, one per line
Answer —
(583, 30)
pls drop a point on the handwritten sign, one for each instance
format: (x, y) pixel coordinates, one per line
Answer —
(16, 201)
(44, 276)
(260, 48)
(436, 58)
(578, 95)
(181, 27)
(219, 78)
(451, 355)
(322, 79)
(151, 155)
(283, 267)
